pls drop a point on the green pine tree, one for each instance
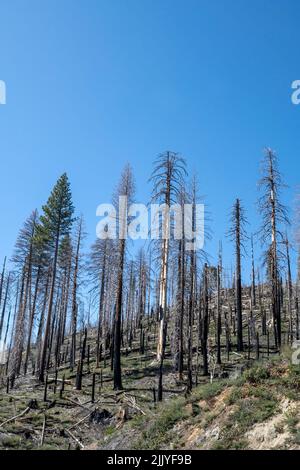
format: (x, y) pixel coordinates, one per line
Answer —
(55, 223)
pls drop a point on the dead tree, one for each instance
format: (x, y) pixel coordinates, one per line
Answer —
(274, 214)
(253, 290)
(289, 286)
(79, 373)
(125, 194)
(204, 336)
(23, 259)
(238, 235)
(79, 236)
(219, 320)
(193, 281)
(180, 300)
(167, 181)
(4, 303)
(101, 266)
(2, 279)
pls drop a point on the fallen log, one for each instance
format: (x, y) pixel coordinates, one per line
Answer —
(15, 417)
(75, 439)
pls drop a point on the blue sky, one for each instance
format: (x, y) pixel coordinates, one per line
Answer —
(94, 84)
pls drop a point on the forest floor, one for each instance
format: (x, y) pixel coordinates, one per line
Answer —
(256, 406)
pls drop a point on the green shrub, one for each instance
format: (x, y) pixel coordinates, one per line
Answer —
(235, 395)
(207, 391)
(11, 441)
(291, 419)
(256, 374)
(252, 411)
(296, 437)
(155, 432)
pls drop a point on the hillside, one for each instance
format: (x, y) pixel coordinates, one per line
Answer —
(256, 406)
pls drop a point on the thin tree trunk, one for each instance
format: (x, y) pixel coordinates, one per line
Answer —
(117, 322)
(49, 313)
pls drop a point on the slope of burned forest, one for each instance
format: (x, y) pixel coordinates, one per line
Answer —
(246, 403)
(112, 349)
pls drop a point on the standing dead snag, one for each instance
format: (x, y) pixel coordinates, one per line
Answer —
(274, 214)
(219, 320)
(101, 303)
(62, 388)
(237, 234)
(32, 310)
(79, 234)
(289, 287)
(1, 290)
(93, 388)
(204, 329)
(161, 364)
(46, 388)
(23, 258)
(2, 279)
(102, 272)
(80, 363)
(125, 195)
(180, 295)
(180, 309)
(8, 281)
(167, 181)
(253, 289)
(192, 293)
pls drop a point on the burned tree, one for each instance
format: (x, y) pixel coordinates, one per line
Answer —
(101, 268)
(167, 179)
(204, 322)
(23, 259)
(274, 215)
(79, 235)
(237, 234)
(123, 198)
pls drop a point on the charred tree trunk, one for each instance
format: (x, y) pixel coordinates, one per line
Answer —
(205, 322)
(74, 298)
(219, 324)
(238, 287)
(117, 322)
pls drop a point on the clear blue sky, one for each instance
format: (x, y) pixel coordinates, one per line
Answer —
(94, 84)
